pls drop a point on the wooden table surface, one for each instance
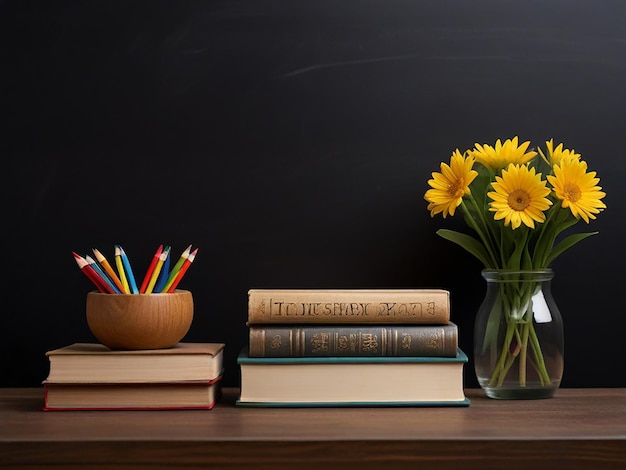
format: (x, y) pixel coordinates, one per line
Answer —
(577, 429)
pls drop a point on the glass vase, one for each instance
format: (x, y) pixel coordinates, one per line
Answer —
(518, 336)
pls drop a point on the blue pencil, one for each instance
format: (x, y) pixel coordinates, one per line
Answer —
(129, 271)
(103, 275)
(160, 284)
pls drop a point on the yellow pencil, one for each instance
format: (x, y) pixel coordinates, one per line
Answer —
(157, 269)
(120, 269)
(108, 269)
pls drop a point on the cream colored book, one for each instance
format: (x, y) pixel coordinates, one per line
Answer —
(416, 306)
(352, 381)
(95, 363)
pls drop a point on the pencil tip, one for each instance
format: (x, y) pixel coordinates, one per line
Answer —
(80, 261)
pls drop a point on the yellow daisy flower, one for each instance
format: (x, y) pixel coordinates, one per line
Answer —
(503, 154)
(578, 189)
(555, 155)
(449, 186)
(519, 195)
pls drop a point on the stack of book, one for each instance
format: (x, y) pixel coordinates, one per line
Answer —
(90, 376)
(351, 348)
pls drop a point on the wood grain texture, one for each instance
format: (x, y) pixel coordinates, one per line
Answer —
(140, 321)
(577, 429)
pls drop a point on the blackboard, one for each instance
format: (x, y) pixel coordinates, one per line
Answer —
(291, 141)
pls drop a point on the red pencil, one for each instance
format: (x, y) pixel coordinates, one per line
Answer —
(108, 269)
(153, 263)
(92, 274)
(182, 271)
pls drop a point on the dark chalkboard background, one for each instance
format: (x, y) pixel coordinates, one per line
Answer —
(291, 142)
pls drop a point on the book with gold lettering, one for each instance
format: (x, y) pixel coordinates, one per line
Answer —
(373, 306)
(319, 340)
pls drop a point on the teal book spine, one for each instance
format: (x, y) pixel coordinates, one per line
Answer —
(244, 357)
(353, 340)
(358, 404)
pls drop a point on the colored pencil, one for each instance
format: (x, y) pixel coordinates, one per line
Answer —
(165, 269)
(108, 269)
(183, 270)
(176, 268)
(157, 270)
(92, 263)
(129, 271)
(90, 273)
(120, 269)
(153, 263)
(158, 277)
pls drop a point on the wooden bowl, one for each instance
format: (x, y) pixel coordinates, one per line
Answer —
(140, 321)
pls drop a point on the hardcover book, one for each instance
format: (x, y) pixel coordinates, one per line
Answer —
(95, 363)
(353, 340)
(131, 396)
(419, 306)
(352, 381)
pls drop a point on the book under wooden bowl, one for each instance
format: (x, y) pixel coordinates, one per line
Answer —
(140, 321)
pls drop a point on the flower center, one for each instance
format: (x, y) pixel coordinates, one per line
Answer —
(572, 192)
(518, 200)
(455, 188)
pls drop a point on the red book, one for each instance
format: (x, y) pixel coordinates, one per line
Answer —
(90, 376)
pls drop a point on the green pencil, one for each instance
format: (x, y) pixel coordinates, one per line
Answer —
(177, 267)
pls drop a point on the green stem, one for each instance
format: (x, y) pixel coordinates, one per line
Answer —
(496, 376)
(523, 356)
(479, 230)
(505, 370)
(541, 365)
(490, 234)
(517, 311)
(542, 249)
(510, 357)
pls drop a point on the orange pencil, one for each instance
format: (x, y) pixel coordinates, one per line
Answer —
(153, 263)
(91, 274)
(183, 270)
(108, 269)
